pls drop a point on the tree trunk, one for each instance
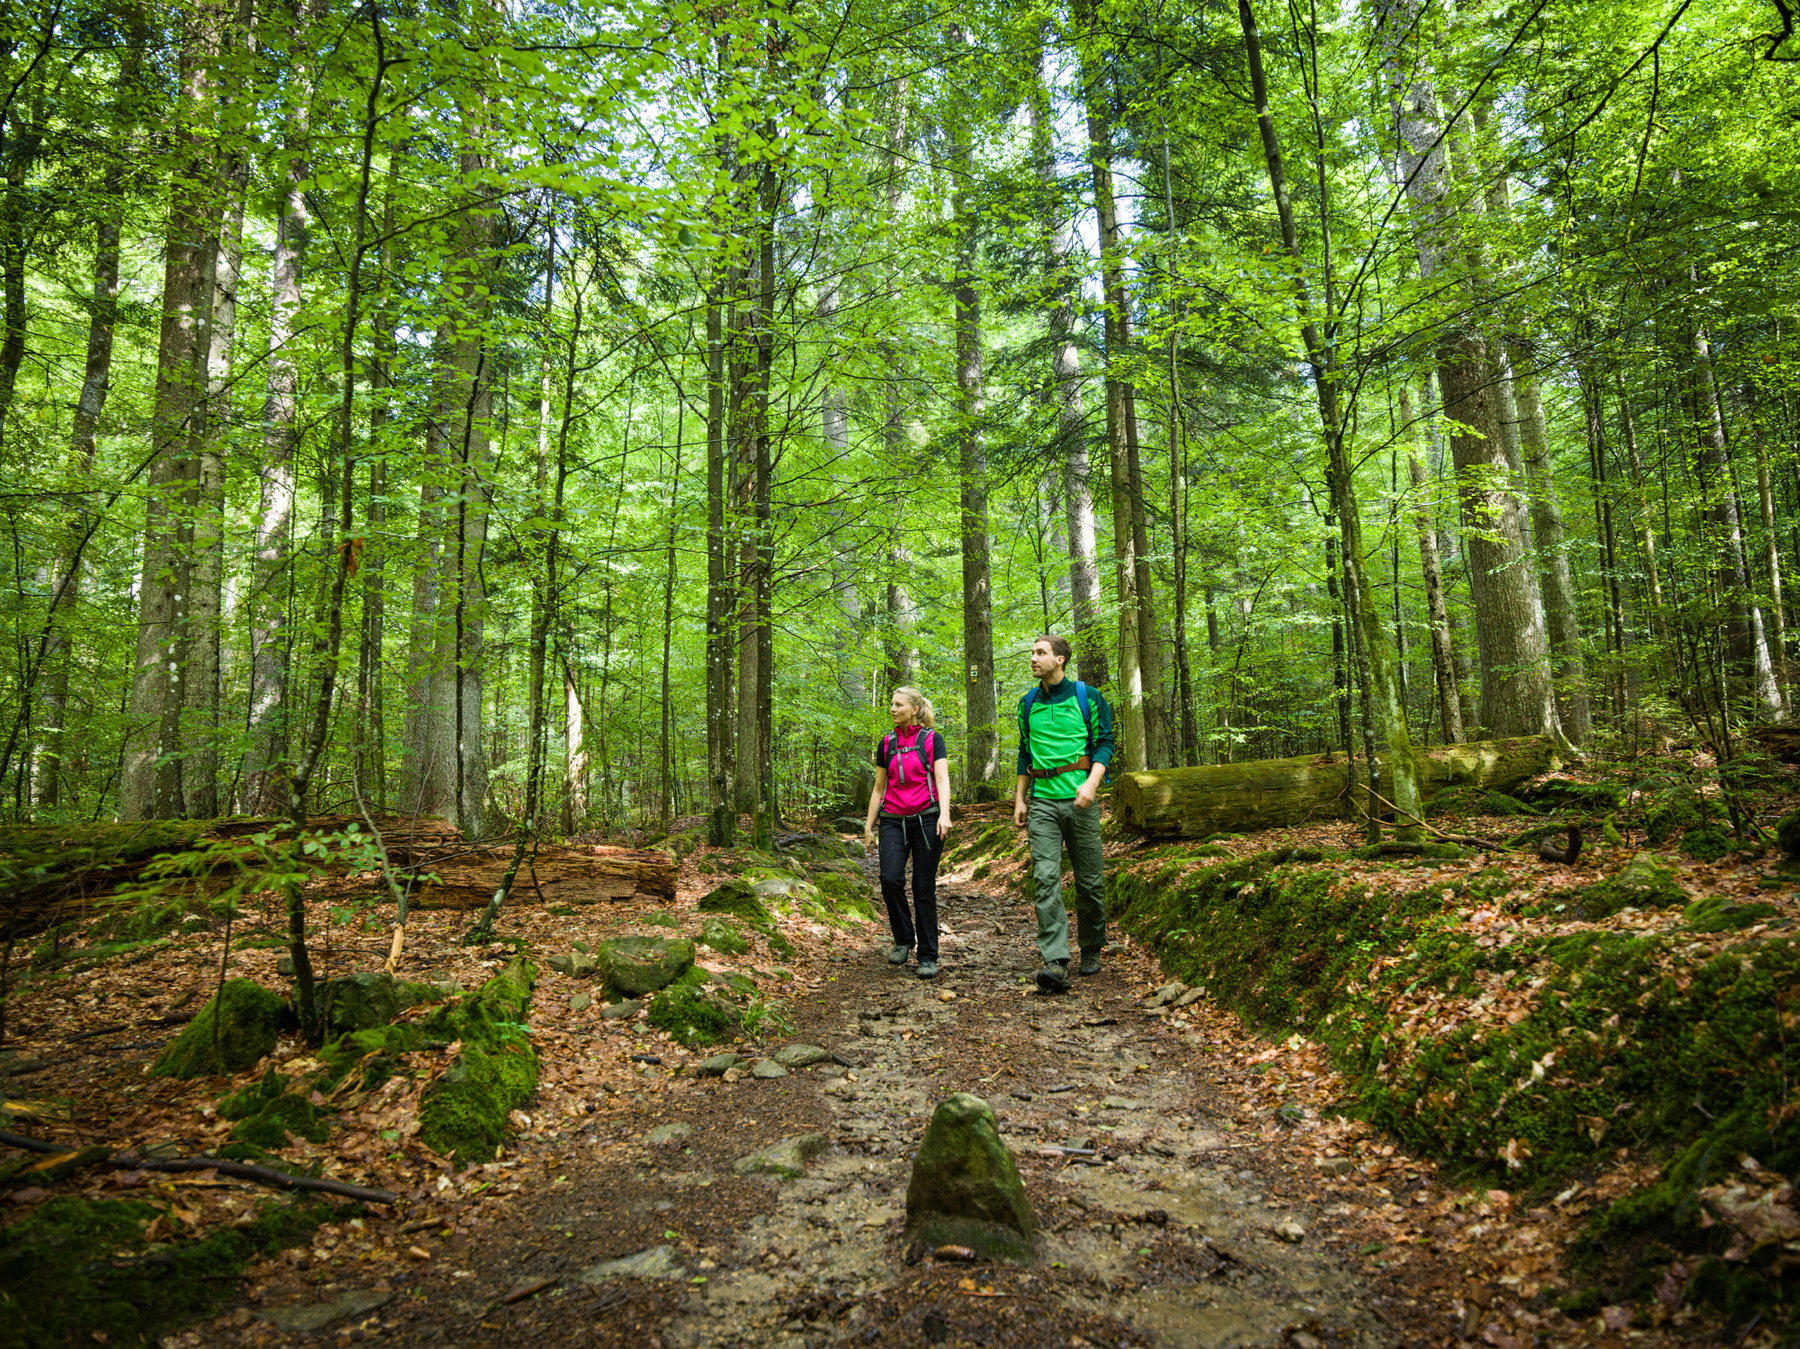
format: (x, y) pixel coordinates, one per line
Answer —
(982, 729)
(202, 730)
(90, 403)
(371, 702)
(1749, 651)
(1132, 724)
(1277, 793)
(1443, 653)
(150, 783)
(721, 600)
(271, 644)
(1389, 712)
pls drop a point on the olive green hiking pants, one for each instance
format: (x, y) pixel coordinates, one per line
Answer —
(1050, 826)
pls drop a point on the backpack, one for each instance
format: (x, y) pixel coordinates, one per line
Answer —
(1087, 720)
(922, 747)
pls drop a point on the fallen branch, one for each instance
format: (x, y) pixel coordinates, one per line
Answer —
(1465, 840)
(262, 1175)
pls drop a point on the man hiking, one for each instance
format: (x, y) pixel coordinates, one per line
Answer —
(1065, 743)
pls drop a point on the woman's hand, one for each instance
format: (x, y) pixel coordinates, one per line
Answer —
(869, 835)
(943, 827)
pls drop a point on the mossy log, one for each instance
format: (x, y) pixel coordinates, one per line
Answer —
(1271, 793)
(563, 875)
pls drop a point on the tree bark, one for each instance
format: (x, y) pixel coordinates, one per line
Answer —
(150, 782)
(1276, 793)
(1443, 652)
(982, 729)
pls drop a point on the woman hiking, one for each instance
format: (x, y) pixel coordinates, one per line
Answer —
(911, 801)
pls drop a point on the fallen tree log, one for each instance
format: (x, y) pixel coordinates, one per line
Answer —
(564, 875)
(1272, 793)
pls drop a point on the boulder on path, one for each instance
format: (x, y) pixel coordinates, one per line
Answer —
(233, 1031)
(659, 1262)
(965, 1188)
(800, 1056)
(787, 1158)
(738, 898)
(576, 965)
(717, 1064)
(634, 966)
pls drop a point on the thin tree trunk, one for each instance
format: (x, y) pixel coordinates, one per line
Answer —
(1443, 651)
(1132, 719)
(983, 755)
(371, 702)
(90, 404)
(1765, 499)
(721, 601)
(1383, 688)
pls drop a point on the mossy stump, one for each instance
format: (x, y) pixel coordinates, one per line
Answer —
(965, 1188)
(233, 1032)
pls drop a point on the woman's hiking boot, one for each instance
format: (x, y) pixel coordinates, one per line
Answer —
(897, 955)
(1054, 977)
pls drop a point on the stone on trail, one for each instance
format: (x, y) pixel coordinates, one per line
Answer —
(800, 1056)
(308, 1318)
(635, 966)
(965, 1188)
(367, 999)
(717, 1065)
(1290, 1231)
(670, 1133)
(581, 1002)
(577, 964)
(787, 1158)
(618, 1011)
(1165, 995)
(767, 1068)
(658, 1262)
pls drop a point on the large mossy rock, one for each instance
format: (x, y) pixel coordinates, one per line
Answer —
(464, 1113)
(965, 1188)
(720, 933)
(1673, 816)
(233, 1032)
(737, 898)
(1646, 883)
(634, 966)
(368, 999)
(1787, 836)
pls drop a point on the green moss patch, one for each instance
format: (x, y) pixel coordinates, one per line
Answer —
(79, 1270)
(692, 1016)
(738, 899)
(232, 1033)
(718, 932)
(1613, 1038)
(267, 1112)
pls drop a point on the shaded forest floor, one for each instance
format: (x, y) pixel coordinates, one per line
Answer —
(1198, 1178)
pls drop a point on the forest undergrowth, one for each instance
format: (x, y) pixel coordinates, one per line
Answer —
(1567, 1082)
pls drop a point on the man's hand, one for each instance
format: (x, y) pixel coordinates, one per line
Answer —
(1018, 812)
(1084, 796)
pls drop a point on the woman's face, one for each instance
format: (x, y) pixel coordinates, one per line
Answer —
(900, 709)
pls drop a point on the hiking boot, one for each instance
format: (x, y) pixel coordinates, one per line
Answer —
(897, 955)
(928, 969)
(1054, 977)
(1090, 962)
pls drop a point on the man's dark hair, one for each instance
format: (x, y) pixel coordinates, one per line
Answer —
(1058, 645)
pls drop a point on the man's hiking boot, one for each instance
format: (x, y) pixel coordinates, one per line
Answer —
(1054, 977)
(1090, 962)
(927, 969)
(897, 955)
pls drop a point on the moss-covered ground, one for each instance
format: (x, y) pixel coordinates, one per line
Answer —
(1526, 1023)
(85, 1271)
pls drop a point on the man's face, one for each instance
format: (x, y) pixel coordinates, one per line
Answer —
(1045, 663)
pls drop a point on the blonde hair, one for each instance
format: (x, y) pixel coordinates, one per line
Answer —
(922, 711)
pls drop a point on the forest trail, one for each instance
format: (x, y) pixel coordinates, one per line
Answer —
(1164, 1219)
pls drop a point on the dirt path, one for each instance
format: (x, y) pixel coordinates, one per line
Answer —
(1164, 1220)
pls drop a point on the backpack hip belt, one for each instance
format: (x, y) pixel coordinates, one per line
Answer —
(1081, 765)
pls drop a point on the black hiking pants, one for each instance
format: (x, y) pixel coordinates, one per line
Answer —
(914, 836)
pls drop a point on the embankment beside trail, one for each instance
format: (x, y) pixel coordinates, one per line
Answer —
(1528, 1023)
